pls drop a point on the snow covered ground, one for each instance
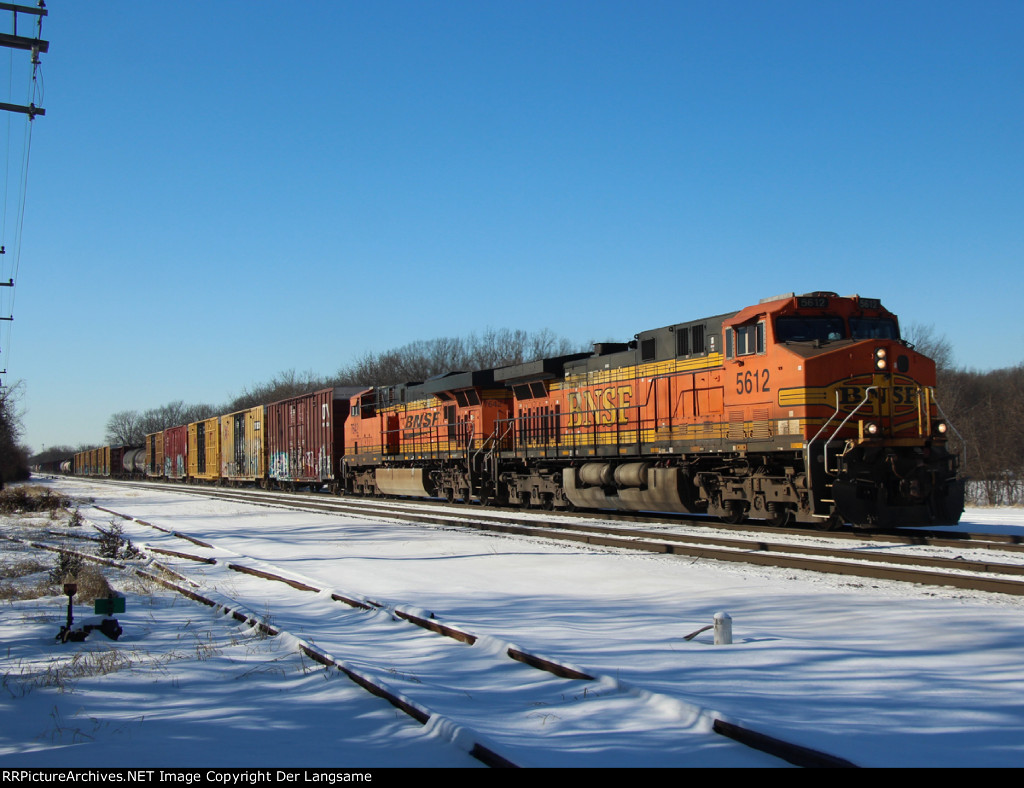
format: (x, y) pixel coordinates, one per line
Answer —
(879, 673)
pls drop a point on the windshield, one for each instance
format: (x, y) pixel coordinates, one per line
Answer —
(827, 328)
(873, 328)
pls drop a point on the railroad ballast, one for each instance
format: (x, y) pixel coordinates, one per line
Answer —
(806, 408)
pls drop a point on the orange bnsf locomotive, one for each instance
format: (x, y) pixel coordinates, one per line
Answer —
(807, 408)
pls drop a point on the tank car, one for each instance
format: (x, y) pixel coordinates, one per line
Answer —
(807, 408)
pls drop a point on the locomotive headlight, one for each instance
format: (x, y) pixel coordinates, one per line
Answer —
(880, 358)
(940, 427)
(871, 429)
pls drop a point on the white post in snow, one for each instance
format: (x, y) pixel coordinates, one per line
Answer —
(723, 629)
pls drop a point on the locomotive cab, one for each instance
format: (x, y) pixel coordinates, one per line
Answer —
(856, 401)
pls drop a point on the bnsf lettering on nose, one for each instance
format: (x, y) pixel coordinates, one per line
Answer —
(854, 395)
(600, 406)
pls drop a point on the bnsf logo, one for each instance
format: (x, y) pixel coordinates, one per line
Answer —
(600, 406)
(854, 395)
(422, 420)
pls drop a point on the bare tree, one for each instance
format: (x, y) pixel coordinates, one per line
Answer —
(283, 385)
(124, 428)
(927, 340)
(13, 456)
(173, 414)
(425, 358)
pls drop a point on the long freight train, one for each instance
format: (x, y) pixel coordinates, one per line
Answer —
(805, 408)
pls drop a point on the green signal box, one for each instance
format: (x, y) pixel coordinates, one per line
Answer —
(108, 607)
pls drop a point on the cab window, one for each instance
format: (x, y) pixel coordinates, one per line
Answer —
(795, 328)
(744, 340)
(873, 328)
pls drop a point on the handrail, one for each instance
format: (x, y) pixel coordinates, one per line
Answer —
(823, 426)
(867, 396)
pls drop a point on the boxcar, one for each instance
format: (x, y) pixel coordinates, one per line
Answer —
(204, 449)
(155, 454)
(115, 460)
(176, 452)
(243, 450)
(305, 438)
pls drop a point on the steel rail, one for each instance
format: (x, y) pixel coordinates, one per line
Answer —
(955, 573)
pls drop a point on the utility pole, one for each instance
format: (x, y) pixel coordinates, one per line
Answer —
(35, 45)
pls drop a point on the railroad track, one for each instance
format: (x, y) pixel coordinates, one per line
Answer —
(410, 678)
(977, 562)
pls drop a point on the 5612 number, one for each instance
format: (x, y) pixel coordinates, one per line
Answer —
(752, 380)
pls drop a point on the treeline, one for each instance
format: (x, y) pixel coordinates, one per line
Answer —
(421, 360)
(415, 361)
(14, 460)
(987, 411)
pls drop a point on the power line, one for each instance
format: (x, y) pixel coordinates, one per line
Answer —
(35, 45)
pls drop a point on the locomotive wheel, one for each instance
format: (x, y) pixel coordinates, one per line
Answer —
(779, 515)
(833, 523)
(735, 513)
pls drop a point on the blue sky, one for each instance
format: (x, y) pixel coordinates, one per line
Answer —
(223, 190)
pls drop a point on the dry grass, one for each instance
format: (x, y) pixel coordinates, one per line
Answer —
(31, 498)
(11, 592)
(24, 578)
(30, 578)
(30, 575)
(21, 567)
(91, 583)
(62, 673)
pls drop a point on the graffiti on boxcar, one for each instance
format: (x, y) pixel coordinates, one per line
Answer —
(279, 465)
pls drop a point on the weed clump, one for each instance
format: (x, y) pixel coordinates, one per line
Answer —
(31, 498)
(71, 568)
(114, 544)
(67, 567)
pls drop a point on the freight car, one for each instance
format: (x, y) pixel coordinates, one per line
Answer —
(305, 439)
(287, 444)
(53, 467)
(110, 461)
(243, 451)
(807, 408)
(175, 445)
